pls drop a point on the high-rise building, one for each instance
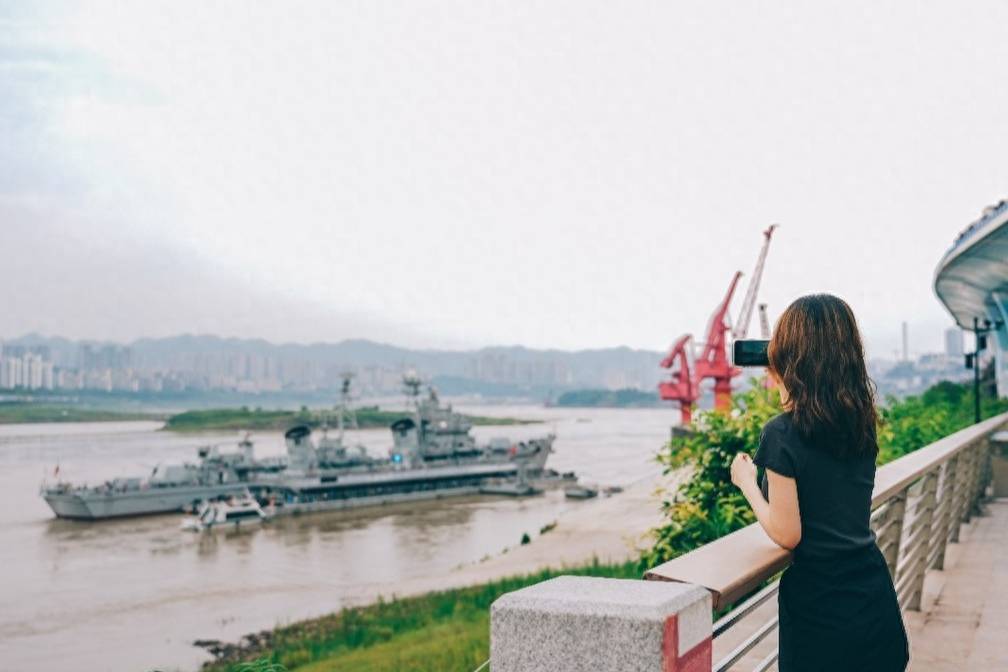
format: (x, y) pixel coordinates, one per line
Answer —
(906, 344)
(954, 343)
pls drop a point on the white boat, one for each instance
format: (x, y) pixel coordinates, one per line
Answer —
(243, 511)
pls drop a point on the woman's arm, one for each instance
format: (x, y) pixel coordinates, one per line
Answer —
(780, 516)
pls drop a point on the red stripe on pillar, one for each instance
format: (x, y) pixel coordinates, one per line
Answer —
(697, 659)
(670, 645)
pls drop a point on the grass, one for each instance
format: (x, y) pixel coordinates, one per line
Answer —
(419, 650)
(244, 418)
(447, 631)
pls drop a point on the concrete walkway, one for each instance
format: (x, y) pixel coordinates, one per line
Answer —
(963, 624)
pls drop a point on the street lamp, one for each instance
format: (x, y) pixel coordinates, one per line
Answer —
(973, 358)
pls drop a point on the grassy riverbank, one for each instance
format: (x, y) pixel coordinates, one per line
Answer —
(257, 419)
(17, 412)
(447, 630)
(594, 398)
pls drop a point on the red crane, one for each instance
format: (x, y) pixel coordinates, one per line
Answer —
(681, 386)
(686, 372)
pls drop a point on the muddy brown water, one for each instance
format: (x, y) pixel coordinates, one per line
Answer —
(133, 594)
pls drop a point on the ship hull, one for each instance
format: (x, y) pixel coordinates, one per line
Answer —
(315, 494)
(91, 505)
(300, 508)
(377, 500)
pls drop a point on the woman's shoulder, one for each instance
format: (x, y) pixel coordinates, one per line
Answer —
(779, 424)
(778, 449)
(780, 431)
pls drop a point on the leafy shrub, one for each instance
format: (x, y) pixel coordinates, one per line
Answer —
(707, 506)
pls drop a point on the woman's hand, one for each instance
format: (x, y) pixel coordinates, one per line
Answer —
(743, 471)
(780, 516)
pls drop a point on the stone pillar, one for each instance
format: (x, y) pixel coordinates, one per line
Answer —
(578, 623)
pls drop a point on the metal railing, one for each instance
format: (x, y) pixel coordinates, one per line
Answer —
(918, 504)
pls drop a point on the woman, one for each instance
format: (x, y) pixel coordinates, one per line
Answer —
(838, 607)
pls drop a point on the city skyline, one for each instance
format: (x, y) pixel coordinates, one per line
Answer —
(199, 363)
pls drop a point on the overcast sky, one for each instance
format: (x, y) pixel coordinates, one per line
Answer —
(562, 174)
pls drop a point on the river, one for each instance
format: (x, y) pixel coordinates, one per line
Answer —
(128, 595)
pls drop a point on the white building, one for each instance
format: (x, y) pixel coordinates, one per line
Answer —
(954, 343)
(25, 370)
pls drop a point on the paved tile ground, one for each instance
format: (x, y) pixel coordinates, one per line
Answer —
(964, 622)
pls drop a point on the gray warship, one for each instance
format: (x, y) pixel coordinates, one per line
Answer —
(169, 488)
(434, 455)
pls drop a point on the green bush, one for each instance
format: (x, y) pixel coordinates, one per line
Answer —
(916, 421)
(707, 506)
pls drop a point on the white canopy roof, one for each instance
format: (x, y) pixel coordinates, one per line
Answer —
(972, 278)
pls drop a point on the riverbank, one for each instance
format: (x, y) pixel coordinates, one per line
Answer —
(441, 622)
(599, 398)
(258, 419)
(12, 413)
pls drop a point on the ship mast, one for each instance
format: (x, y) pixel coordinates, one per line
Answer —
(344, 407)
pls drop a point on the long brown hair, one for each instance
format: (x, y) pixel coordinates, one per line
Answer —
(817, 354)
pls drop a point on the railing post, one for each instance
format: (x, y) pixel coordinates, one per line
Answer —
(988, 467)
(965, 471)
(924, 522)
(973, 492)
(578, 623)
(983, 450)
(946, 500)
(894, 532)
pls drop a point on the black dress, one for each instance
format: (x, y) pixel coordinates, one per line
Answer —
(838, 607)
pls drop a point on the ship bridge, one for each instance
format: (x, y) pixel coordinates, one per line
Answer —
(971, 280)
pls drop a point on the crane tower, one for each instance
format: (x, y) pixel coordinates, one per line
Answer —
(688, 370)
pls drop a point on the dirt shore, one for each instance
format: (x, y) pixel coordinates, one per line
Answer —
(612, 529)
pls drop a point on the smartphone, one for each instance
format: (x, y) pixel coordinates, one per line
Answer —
(750, 353)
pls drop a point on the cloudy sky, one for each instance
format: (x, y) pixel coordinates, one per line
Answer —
(565, 174)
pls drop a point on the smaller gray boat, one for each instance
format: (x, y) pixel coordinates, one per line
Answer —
(169, 488)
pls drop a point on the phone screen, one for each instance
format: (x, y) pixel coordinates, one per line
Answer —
(750, 352)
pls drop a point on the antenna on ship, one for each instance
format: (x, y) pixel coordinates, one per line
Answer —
(344, 408)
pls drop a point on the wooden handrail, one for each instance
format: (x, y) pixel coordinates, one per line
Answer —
(736, 564)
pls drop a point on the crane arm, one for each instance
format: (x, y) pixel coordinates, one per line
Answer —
(745, 315)
(717, 326)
